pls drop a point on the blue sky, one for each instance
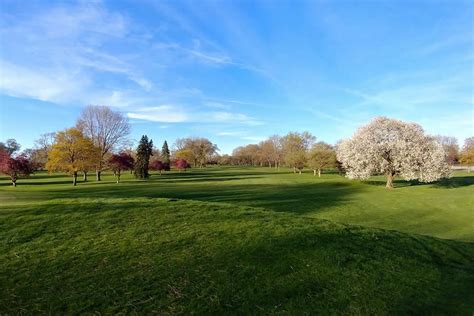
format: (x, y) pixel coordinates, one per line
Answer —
(237, 71)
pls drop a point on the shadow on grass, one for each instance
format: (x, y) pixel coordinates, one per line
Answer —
(296, 198)
(453, 182)
(230, 263)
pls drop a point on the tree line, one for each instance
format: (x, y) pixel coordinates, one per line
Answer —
(99, 141)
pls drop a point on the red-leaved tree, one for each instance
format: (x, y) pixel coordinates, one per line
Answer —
(120, 162)
(181, 164)
(15, 167)
(159, 166)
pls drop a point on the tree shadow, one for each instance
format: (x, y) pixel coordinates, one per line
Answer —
(299, 198)
(398, 183)
(447, 183)
(454, 182)
(264, 262)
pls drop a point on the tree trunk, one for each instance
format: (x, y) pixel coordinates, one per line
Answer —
(85, 176)
(118, 177)
(74, 179)
(314, 172)
(97, 175)
(319, 173)
(390, 176)
(299, 171)
(14, 181)
(294, 169)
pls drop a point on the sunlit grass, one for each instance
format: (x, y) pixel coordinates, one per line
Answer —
(256, 242)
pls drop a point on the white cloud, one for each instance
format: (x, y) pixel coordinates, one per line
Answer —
(180, 114)
(163, 113)
(60, 54)
(45, 85)
(229, 134)
(254, 138)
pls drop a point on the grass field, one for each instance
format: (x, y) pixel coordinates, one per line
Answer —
(242, 240)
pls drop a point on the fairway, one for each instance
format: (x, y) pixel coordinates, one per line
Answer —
(242, 240)
(443, 209)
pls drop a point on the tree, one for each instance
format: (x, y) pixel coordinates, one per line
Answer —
(295, 147)
(160, 166)
(451, 148)
(14, 166)
(72, 152)
(120, 162)
(106, 128)
(39, 154)
(197, 150)
(225, 160)
(321, 156)
(144, 151)
(467, 154)
(181, 164)
(393, 148)
(10, 146)
(165, 153)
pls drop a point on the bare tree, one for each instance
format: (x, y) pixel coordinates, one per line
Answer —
(451, 148)
(106, 128)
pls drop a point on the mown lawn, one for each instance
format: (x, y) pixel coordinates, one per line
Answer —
(230, 240)
(444, 209)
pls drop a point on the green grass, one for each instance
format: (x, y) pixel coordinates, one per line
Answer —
(230, 240)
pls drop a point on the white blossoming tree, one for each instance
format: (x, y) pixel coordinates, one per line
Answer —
(393, 148)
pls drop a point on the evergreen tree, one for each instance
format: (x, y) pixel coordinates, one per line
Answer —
(165, 153)
(144, 151)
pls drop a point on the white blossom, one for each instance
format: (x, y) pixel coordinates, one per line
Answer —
(393, 148)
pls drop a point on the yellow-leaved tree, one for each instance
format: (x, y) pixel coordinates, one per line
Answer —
(467, 154)
(72, 152)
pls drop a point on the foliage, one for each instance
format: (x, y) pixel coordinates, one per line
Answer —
(14, 166)
(165, 153)
(321, 156)
(467, 154)
(144, 151)
(159, 165)
(295, 147)
(72, 152)
(394, 148)
(181, 164)
(11, 146)
(120, 162)
(195, 149)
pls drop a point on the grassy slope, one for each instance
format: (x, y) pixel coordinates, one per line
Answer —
(442, 210)
(148, 255)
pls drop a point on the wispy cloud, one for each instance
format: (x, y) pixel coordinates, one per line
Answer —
(60, 50)
(181, 114)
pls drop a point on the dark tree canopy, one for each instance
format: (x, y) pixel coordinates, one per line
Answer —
(120, 162)
(165, 153)
(10, 146)
(144, 151)
(159, 165)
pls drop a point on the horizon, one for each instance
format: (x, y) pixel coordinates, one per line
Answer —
(237, 72)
